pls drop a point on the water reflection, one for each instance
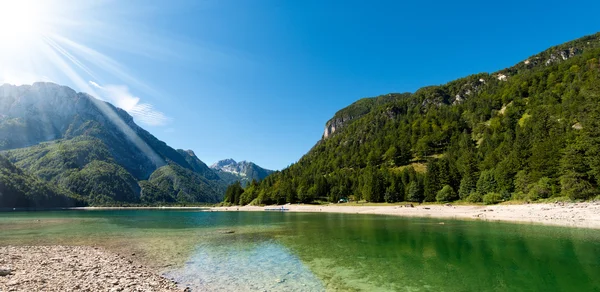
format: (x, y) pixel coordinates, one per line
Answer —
(380, 253)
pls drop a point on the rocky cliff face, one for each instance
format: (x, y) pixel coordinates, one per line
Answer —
(356, 110)
(335, 123)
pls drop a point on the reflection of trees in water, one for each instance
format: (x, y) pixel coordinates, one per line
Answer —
(398, 253)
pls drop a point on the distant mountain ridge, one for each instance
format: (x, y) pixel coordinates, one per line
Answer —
(243, 171)
(92, 149)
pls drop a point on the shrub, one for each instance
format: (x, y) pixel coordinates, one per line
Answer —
(540, 190)
(519, 196)
(474, 197)
(492, 198)
(446, 194)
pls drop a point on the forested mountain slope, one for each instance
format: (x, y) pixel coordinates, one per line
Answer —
(530, 131)
(20, 189)
(95, 150)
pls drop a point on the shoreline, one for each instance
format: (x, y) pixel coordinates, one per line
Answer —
(579, 215)
(103, 208)
(69, 268)
(567, 214)
(138, 208)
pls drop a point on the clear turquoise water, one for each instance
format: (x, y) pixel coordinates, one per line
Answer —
(273, 251)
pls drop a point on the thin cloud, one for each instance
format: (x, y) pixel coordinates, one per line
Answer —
(143, 113)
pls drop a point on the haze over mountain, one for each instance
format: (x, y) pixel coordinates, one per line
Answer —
(231, 171)
(527, 132)
(89, 148)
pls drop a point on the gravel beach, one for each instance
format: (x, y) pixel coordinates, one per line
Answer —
(74, 268)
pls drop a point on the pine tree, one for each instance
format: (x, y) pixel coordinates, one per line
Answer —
(574, 180)
(413, 192)
(486, 183)
(432, 181)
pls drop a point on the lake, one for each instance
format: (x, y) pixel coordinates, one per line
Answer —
(281, 251)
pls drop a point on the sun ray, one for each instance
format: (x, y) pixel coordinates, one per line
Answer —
(104, 62)
(54, 43)
(72, 58)
(55, 58)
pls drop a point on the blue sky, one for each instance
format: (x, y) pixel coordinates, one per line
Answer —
(257, 80)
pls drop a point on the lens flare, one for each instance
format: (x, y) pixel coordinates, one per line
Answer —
(43, 40)
(21, 22)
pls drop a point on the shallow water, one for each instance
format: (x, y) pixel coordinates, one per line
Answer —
(274, 251)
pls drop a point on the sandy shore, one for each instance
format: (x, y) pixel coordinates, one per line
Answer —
(585, 215)
(74, 268)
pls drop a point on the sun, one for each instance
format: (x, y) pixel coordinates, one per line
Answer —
(21, 21)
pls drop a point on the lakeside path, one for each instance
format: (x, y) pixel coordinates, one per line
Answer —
(584, 215)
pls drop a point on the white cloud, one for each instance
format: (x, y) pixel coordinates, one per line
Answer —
(120, 96)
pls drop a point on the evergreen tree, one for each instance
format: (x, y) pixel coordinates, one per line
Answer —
(432, 181)
(486, 183)
(413, 192)
(395, 191)
(575, 182)
(232, 194)
(467, 186)
(373, 185)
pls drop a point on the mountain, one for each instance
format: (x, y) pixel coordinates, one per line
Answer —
(91, 148)
(231, 171)
(20, 189)
(527, 132)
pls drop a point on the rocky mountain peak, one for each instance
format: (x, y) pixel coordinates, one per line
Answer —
(244, 171)
(223, 163)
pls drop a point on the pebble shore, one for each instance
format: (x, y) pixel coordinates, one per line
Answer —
(74, 268)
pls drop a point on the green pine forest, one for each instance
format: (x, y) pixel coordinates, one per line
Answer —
(528, 132)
